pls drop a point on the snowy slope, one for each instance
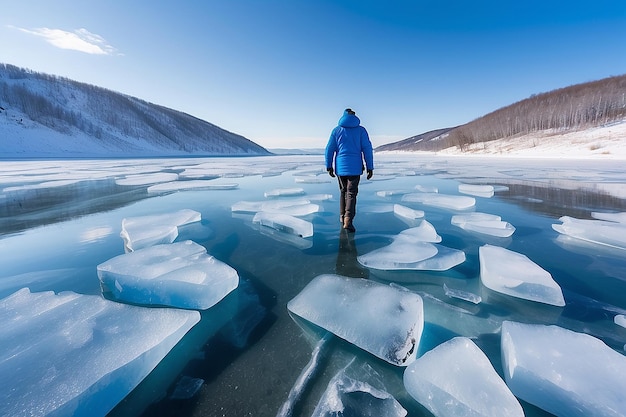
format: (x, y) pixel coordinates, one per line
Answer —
(48, 116)
(603, 142)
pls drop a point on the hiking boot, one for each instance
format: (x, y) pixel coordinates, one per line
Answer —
(347, 224)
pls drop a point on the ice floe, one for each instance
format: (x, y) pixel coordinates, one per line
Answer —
(446, 201)
(284, 223)
(513, 274)
(406, 212)
(602, 232)
(611, 217)
(414, 248)
(620, 320)
(462, 295)
(384, 320)
(79, 355)
(426, 188)
(144, 231)
(457, 379)
(488, 224)
(293, 208)
(179, 275)
(477, 190)
(284, 192)
(357, 391)
(563, 372)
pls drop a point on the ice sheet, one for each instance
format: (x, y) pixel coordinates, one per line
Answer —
(389, 328)
(566, 373)
(79, 355)
(457, 379)
(179, 275)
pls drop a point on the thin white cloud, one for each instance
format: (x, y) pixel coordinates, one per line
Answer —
(79, 40)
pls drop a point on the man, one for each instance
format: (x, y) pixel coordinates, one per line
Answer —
(348, 146)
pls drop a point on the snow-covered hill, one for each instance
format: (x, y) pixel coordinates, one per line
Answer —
(602, 142)
(47, 116)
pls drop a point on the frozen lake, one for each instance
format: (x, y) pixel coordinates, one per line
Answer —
(59, 220)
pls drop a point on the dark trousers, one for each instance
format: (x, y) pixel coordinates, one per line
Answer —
(349, 187)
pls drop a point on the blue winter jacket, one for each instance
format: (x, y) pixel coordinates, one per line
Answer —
(348, 146)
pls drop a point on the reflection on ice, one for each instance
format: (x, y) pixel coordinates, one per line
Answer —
(563, 372)
(389, 328)
(514, 274)
(457, 379)
(80, 354)
(179, 275)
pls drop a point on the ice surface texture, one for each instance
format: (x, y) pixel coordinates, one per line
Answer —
(602, 232)
(457, 379)
(179, 275)
(284, 223)
(413, 249)
(567, 373)
(386, 321)
(144, 231)
(488, 224)
(514, 274)
(462, 295)
(79, 355)
(358, 391)
(198, 185)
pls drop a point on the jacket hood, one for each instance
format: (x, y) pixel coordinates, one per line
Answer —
(349, 120)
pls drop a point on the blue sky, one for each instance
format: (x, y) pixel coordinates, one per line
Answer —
(280, 72)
